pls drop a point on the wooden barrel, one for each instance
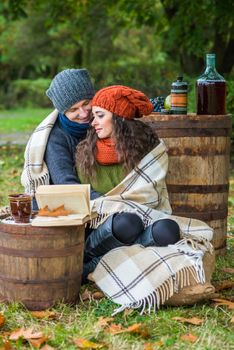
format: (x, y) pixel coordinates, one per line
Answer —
(198, 174)
(40, 266)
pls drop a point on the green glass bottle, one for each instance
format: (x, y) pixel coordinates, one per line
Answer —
(211, 90)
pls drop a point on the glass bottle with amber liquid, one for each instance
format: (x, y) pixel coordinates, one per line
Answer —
(211, 90)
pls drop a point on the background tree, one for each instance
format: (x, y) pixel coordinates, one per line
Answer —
(143, 44)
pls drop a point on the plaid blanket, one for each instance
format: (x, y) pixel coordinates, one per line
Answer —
(138, 277)
(134, 276)
(144, 192)
(35, 171)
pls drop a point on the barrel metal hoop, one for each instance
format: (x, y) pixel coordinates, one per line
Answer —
(199, 189)
(22, 281)
(169, 133)
(174, 151)
(205, 216)
(189, 121)
(42, 253)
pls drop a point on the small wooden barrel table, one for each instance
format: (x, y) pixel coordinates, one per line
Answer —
(198, 174)
(40, 266)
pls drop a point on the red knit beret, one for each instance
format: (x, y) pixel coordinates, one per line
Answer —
(123, 101)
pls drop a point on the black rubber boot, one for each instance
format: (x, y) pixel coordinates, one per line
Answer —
(160, 234)
(101, 241)
(127, 227)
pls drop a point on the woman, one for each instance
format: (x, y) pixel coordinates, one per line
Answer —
(49, 155)
(114, 147)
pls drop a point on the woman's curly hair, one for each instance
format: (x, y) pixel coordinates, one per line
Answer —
(134, 139)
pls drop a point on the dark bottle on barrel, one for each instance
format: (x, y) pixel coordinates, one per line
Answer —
(179, 91)
(211, 90)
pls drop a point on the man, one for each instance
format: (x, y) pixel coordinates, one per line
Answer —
(49, 154)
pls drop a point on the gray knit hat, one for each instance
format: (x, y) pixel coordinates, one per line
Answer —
(69, 87)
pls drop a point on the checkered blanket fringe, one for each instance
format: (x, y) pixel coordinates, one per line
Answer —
(161, 294)
(196, 243)
(35, 172)
(154, 274)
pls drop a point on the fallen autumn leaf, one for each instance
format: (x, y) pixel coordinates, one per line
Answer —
(47, 347)
(220, 302)
(228, 270)
(44, 314)
(2, 320)
(86, 295)
(226, 284)
(97, 295)
(195, 321)
(189, 337)
(6, 346)
(137, 328)
(25, 333)
(86, 344)
(104, 321)
(37, 343)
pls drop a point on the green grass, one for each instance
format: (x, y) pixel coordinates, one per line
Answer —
(81, 321)
(21, 120)
(217, 332)
(11, 165)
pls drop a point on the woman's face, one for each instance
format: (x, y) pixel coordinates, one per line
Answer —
(102, 122)
(80, 112)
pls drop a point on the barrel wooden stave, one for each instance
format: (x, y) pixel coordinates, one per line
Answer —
(198, 172)
(40, 266)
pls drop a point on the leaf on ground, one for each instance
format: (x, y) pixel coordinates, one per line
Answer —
(104, 321)
(88, 295)
(194, 320)
(47, 347)
(97, 295)
(37, 343)
(25, 333)
(44, 314)
(114, 328)
(6, 346)
(6, 334)
(189, 337)
(228, 270)
(228, 303)
(232, 319)
(150, 346)
(226, 284)
(2, 320)
(86, 344)
(137, 328)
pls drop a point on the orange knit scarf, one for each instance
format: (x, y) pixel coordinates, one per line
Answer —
(106, 152)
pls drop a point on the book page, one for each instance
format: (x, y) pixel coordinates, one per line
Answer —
(74, 197)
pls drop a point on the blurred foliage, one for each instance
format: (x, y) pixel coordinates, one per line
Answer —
(28, 93)
(141, 44)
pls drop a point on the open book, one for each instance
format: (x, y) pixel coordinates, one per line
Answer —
(73, 197)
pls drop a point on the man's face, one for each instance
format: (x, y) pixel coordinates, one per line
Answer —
(80, 112)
